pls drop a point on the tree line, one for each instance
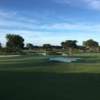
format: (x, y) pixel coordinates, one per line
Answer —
(16, 43)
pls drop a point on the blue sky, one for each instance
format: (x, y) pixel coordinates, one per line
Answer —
(50, 21)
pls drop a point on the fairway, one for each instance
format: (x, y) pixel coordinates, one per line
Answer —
(86, 64)
(35, 78)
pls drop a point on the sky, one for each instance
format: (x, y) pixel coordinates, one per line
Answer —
(50, 21)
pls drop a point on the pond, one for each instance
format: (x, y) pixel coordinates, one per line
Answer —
(63, 59)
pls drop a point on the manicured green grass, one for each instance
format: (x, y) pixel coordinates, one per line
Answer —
(41, 64)
(48, 86)
(35, 78)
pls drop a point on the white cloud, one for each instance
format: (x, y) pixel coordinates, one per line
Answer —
(94, 4)
(89, 4)
(79, 27)
(20, 26)
(13, 18)
(18, 22)
(6, 14)
(44, 33)
(14, 21)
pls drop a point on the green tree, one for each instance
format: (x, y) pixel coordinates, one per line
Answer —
(29, 46)
(69, 45)
(0, 45)
(91, 45)
(15, 42)
(47, 47)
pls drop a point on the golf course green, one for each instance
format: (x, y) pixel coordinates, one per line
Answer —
(31, 77)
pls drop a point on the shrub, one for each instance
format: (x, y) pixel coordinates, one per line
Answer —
(54, 53)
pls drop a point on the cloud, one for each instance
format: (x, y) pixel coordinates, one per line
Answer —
(17, 25)
(6, 14)
(93, 4)
(38, 33)
(79, 27)
(14, 22)
(87, 4)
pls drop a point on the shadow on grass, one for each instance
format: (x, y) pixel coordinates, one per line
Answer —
(49, 86)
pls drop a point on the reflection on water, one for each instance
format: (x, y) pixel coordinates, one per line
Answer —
(63, 59)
